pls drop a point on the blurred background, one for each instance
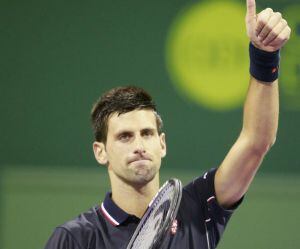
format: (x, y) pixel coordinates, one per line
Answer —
(58, 57)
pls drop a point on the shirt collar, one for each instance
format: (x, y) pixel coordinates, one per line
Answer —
(112, 212)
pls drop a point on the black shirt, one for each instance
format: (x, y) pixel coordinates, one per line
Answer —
(199, 224)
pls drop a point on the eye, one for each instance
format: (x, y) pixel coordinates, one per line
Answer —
(147, 133)
(124, 137)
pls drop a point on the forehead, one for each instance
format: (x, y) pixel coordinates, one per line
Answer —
(134, 120)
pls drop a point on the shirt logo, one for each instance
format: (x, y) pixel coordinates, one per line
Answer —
(174, 227)
(274, 70)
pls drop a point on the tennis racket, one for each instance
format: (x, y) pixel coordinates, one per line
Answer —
(158, 217)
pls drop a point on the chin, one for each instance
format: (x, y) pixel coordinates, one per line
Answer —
(144, 176)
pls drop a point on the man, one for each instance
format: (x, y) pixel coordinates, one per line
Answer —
(129, 141)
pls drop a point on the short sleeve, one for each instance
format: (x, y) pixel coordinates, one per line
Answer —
(62, 239)
(216, 217)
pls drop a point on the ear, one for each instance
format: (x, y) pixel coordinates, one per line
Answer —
(163, 144)
(100, 152)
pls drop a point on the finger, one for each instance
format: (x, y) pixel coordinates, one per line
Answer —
(282, 38)
(274, 33)
(251, 13)
(273, 21)
(262, 20)
(251, 8)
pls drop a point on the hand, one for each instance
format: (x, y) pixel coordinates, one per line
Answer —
(267, 31)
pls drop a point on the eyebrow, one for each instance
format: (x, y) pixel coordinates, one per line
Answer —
(122, 132)
(129, 131)
(149, 129)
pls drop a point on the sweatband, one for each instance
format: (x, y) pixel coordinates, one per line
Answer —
(264, 66)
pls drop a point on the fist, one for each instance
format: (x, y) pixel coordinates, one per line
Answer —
(267, 30)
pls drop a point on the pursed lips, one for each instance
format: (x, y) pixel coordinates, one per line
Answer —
(136, 159)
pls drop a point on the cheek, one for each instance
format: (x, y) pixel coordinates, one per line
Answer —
(117, 152)
(157, 147)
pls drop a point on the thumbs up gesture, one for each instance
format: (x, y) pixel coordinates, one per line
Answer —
(267, 30)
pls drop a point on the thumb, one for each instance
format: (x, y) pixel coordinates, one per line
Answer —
(251, 16)
(251, 9)
(251, 12)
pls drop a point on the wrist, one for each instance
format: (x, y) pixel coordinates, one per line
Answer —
(264, 66)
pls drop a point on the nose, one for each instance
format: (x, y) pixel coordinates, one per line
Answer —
(139, 146)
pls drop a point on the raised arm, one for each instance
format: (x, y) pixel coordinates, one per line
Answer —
(268, 32)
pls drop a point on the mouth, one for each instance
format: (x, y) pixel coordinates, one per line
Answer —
(139, 160)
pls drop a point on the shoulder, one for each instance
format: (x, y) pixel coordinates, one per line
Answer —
(84, 226)
(86, 221)
(75, 233)
(202, 192)
(202, 187)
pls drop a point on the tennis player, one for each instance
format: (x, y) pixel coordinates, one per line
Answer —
(131, 144)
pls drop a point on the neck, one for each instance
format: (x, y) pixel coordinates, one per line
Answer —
(134, 199)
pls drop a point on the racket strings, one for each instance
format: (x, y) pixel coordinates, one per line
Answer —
(160, 213)
(150, 230)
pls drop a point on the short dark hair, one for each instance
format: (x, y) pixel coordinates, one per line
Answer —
(120, 100)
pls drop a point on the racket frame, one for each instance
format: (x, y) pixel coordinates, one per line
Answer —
(171, 215)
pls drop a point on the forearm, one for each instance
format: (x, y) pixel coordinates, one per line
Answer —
(260, 123)
(261, 111)
(268, 32)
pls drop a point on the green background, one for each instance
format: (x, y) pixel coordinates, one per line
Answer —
(57, 57)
